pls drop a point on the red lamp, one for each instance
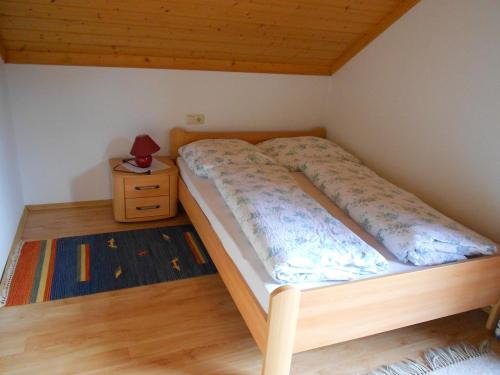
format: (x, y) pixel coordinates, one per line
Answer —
(142, 149)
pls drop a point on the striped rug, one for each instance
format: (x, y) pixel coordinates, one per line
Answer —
(53, 269)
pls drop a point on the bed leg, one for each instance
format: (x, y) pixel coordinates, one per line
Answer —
(493, 317)
(281, 327)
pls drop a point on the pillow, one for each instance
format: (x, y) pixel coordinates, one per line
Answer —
(202, 156)
(293, 152)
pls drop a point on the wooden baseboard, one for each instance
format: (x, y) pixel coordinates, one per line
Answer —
(78, 204)
(17, 237)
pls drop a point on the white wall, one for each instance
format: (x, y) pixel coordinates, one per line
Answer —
(421, 105)
(11, 200)
(70, 120)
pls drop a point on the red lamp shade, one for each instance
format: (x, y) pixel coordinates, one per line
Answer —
(142, 149)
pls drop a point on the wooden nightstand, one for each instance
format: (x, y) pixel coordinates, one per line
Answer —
(142, 197)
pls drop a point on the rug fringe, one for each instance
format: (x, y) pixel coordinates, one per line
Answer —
(435, 359)
(4, 293)
(484, 347)
(442, 357)
(408, 367)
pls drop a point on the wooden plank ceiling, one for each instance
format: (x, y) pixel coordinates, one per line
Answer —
(272, 36)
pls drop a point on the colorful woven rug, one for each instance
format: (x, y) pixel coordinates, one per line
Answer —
(74, 266)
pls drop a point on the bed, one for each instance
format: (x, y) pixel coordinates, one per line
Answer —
(287, 319)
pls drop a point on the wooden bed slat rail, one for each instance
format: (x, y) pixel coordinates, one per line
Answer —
(253, 315)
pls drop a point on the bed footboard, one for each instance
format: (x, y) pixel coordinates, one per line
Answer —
(343, 312)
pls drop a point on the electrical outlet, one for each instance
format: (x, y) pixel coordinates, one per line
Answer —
(195, 119)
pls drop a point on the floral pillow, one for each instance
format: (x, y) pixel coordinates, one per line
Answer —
(202, 156)
(293, 152)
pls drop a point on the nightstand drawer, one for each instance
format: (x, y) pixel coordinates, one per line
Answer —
(145, 207)
(146, 186)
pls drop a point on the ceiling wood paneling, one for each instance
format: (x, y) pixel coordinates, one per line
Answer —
(274, 36)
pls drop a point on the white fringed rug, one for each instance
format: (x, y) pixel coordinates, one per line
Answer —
(461, 359)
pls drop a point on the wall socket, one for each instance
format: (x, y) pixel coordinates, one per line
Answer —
(195, 119)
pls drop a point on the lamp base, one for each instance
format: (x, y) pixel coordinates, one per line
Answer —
(143, 161)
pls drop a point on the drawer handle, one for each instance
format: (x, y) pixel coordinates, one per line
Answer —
(147, 187)
(144, 208)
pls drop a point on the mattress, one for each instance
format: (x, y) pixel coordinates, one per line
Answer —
(241, 251)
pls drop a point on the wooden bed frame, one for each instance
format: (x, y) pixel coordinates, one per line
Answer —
(302, 320)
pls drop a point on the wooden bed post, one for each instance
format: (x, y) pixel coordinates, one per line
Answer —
(493, 317)
(281, 326)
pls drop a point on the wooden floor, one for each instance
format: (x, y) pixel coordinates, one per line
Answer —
(184, 327)
(43, 224)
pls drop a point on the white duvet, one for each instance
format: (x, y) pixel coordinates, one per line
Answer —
(296, 238)
(405, 225)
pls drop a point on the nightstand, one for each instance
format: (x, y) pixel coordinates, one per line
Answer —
(143, 197)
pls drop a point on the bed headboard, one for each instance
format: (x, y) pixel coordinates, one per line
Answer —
(180, 137)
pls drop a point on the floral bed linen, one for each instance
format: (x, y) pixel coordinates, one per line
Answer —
(201, 156)
(296, 238)
(404, 224)
(291, 152)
